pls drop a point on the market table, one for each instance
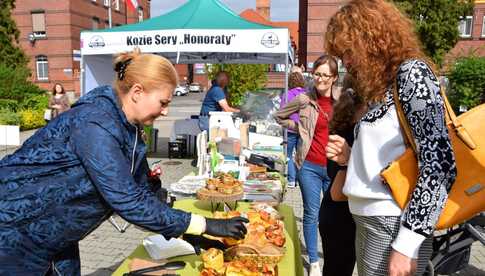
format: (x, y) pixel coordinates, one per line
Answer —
(291, 263)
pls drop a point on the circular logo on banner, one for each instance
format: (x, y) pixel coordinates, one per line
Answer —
(270, 40)
(97, 41)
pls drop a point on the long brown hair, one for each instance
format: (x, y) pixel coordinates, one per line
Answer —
(377, 38)
(347, 105)
(54, 91)
(296, 79)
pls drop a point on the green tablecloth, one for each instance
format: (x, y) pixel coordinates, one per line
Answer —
(290, 265)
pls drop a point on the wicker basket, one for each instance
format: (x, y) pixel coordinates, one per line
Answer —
(249, 252)
(215, 196)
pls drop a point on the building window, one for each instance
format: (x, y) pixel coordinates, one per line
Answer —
(140, 14)
(106, 24)
(38, 23)
(42, 66)
(116, 4)
(106, 3)
(483, 26)
(465, 27)
(95, 23)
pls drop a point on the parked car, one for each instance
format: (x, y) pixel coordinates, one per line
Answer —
(195, 87)
(181, 90)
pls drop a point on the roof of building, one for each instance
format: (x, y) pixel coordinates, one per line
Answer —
(254, 16)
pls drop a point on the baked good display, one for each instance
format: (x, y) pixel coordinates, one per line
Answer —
(213, 258)
(263, 176)
(241, 268)
(258, 254)
(222, 188)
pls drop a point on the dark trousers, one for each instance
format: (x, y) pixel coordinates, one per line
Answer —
(337, 230)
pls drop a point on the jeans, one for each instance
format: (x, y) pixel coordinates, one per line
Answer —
(204, 123)
(313, 181)
(291, 147)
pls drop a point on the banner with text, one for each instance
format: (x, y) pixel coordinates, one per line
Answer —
(164, 41)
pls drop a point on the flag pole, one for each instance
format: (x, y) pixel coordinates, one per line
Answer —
(109, 13)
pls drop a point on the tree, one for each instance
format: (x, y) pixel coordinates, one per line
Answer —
(467, 79)
(436, 23)
(243, 78)
(10, 53)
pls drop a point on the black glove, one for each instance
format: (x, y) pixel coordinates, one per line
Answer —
(200, 242)
(232, 228)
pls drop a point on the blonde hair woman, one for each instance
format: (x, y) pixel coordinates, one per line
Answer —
(90, 162)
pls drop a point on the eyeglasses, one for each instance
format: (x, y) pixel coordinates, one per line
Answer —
(322, 76)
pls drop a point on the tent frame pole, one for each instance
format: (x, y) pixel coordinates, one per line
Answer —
(81, 75)
(285, 131)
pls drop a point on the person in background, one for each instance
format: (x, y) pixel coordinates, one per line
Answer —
(58, 101)
(296, 85)
(215, 100)
(89, 163)
(315, 111)
(297, 69)
(337, 227)
(379, 47)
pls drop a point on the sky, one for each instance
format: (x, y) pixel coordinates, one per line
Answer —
(281, 10)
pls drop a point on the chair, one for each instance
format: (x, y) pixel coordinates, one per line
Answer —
(178, 148)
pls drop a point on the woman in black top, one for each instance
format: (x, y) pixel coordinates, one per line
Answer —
(337, 228)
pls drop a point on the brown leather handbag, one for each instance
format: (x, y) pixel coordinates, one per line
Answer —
(467, 195)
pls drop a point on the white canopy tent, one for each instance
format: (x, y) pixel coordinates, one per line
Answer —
(201, 31)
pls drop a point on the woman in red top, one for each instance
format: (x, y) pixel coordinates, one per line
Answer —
(315, 111)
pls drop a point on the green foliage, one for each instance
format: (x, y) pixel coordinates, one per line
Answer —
(21, 102)
(17, 93)
(148, 136)
(467, 79)
(31, 119)
(35, 101)
(243, 78)
(10, 54)
(9, 104)
(9, 117)
(436, 23)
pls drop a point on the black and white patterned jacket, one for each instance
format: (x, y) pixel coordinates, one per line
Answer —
(379, 140)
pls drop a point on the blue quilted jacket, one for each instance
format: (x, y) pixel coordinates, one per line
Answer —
(67, 179)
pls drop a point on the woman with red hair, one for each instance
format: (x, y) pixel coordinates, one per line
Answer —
(379, 47)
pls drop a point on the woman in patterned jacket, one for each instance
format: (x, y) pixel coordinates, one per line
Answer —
(84, 165)
(378, 46)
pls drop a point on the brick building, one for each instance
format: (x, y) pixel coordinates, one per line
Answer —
(315, 14)
(262, 16)
(472, 32)
(314, 17)
(50, 34)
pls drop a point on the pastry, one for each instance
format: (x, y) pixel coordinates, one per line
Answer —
(209, 272)
(213, 258)
(242, 268)
(269, 270)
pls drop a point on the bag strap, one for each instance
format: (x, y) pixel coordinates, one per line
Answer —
(450, 119)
